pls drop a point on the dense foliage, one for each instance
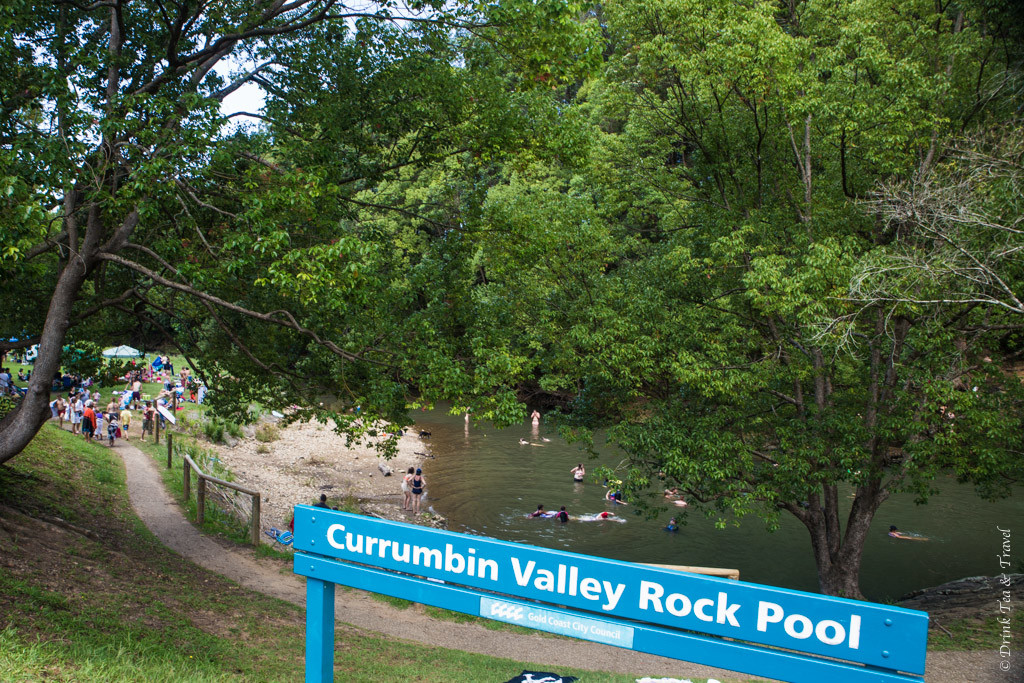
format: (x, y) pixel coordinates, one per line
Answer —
(771, 247)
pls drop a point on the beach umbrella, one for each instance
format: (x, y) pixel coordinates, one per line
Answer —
(121, 352)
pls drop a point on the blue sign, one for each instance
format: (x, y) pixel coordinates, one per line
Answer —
(609, 601)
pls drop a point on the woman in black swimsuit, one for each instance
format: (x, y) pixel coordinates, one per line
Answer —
(417, 486)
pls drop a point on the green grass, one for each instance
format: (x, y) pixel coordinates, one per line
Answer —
(397, 603)
(442, 614)
(113, 604)
(974, 634)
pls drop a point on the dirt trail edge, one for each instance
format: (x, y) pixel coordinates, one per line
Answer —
(162, 515)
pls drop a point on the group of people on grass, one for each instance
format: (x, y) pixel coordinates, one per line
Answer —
(93, 421)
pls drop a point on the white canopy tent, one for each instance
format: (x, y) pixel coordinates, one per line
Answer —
(122, 352)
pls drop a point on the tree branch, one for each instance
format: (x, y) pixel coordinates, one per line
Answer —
(289, 322)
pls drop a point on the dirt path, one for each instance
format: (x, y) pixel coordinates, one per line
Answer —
(162, 515)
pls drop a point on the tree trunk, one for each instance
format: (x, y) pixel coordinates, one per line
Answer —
(838, 557)
(19, 427)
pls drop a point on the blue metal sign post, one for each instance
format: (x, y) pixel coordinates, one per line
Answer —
(784, 634)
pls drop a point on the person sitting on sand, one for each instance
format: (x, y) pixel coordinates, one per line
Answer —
(906, 536)
(323, 503)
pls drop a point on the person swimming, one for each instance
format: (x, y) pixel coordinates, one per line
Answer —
(599, 517)
(673, 495)
(541, 512)
(615, 497)
(672, 526)
(905, 535)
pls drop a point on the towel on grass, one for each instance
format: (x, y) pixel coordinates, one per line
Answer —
(541, 677)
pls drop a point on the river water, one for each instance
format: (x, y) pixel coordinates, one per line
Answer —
(485, 482)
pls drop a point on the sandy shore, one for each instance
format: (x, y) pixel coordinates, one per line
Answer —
(309, 459)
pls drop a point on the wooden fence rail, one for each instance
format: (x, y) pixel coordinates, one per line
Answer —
(203, 478)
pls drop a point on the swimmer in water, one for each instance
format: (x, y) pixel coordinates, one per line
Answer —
(578, 473)
(672, 526)
(906, 536)
(541, 512)
(599, 516)
(676, 498)
(615, 497)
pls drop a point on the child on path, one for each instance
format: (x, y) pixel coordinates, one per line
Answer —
(147, 418)
(126, 422)
(111, 428)
(88, 421)
(77, 410)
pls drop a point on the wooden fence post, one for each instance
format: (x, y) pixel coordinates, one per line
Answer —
(168, 450)
(156, 427)
(256, 520)
(186, 482)
(201, 501)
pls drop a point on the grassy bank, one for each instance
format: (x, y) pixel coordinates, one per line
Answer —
(88, 594)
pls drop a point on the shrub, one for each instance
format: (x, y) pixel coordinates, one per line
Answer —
(350, 504)
(214, 430)
(266, 433)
